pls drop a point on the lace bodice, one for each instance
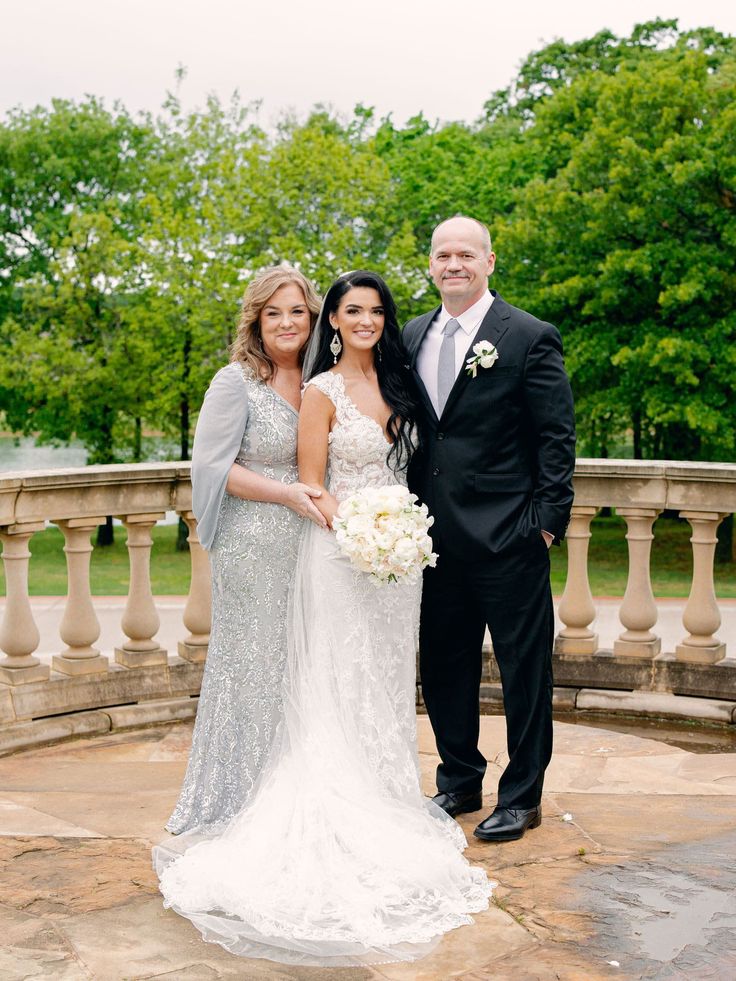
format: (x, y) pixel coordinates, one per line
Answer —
(358, 448)
(269, 438)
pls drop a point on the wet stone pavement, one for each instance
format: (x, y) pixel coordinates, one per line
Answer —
(631, 875)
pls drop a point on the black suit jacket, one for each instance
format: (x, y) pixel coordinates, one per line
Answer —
(497, 467)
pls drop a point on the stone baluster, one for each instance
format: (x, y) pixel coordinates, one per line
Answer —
(19, 636)
(79, 627)
(576, 608)
(198, 609)
(702, 617)
(638, 613)
(140, 620)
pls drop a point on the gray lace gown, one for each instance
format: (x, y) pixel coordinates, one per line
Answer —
(253, 548)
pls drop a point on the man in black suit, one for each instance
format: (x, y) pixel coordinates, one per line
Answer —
(495, 469)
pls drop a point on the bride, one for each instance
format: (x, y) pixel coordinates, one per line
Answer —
(338, 859)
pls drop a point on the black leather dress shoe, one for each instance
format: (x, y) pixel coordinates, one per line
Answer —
(508, 823)
(454, 804)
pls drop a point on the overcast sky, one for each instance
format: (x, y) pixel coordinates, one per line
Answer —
(400, 56)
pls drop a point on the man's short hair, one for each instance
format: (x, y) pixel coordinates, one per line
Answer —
(484, 230)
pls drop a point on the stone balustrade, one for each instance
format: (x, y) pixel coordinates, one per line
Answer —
(638, 491)
(81, 677)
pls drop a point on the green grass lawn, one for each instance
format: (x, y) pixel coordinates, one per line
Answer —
(109, 566)
(671, 563)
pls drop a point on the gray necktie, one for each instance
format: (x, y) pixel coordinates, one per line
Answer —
(446, 364)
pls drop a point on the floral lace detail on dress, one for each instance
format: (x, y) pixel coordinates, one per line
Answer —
(252, 562)
(358, 447)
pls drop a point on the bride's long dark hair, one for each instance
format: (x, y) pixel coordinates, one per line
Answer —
(394, 378)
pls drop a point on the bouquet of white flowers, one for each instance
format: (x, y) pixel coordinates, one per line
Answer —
(383, 531)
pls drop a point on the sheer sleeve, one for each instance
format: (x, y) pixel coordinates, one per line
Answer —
(217, 440)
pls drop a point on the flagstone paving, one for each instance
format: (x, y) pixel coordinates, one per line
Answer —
(631, 875)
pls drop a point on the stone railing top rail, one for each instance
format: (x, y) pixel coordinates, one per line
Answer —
(586, 466)
(30, 496)
(109, 473)
(122, 489)
(674, 484)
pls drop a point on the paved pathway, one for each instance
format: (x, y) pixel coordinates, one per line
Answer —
(631, 875)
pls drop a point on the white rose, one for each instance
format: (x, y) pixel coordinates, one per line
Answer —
(405, 552)
(358, 525)
(488, 360)
(486, 356)
(383, 540)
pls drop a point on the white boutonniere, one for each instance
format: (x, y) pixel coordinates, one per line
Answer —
(486, 356)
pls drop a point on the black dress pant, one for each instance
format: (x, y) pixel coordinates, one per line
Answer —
(510, 593)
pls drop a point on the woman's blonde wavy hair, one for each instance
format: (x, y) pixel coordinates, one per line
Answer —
(248, 346)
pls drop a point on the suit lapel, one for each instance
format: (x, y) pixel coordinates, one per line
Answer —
(493, 326)
(424, 323)
(421, 331)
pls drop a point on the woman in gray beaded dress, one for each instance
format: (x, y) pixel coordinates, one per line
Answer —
(249, 508)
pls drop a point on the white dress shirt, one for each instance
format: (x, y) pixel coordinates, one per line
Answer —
(429, 353)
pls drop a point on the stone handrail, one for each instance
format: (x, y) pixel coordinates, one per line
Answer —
(703, 494)
(80, 677)
(639, 491)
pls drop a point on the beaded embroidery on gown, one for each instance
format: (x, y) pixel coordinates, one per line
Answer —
(337, 859)
(253, 552)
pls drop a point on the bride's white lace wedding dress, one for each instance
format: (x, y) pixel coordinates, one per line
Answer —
(337, 859)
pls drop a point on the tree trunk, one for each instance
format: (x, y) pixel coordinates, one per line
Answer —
(726, 547)
(184, 429)
(182, 533)
(105, 535)
(105, 454)
(184, 403)
(182, 545)
(636, 430)
(138, 440)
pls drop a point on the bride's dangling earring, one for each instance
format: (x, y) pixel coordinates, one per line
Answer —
(378, 350)
(335, 346)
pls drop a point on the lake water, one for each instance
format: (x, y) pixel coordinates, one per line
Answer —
(24, 454)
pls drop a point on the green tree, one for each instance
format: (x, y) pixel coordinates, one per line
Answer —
(626, 239)
(440, 170)
(68, 358)
(327, 203)
(201, 226)
(69, 210)
(606, 171)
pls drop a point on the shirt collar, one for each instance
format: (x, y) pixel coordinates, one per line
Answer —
(469, 319)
